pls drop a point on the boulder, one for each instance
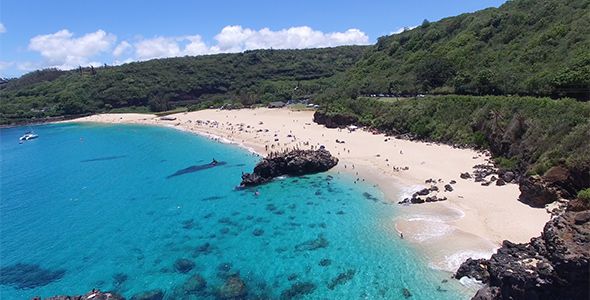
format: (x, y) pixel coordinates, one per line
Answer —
(94, 295)
(422, 192)
(149, 295)
(183, 265)
(312, 245)
(474, 268)
(342, 279)
(578, 205)
(296, 163)
(232, 289)
(325, 262)
(508, 176)
(297, 290)
(448, 188)
(195, 284)
(465, 175)
(535, 191)
(416, 200)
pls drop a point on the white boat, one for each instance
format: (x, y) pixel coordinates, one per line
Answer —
(29, 135)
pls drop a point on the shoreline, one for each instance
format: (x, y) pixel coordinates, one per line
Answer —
(473, 222)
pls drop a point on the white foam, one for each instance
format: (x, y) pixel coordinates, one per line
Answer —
(408, 191)
(454, 261)
(471, 283)
(433, 230)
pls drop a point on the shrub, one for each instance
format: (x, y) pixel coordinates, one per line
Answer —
(584, 195)
(505, 163)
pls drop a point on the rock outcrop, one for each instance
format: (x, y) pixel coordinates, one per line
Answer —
(295, 162)
(334, 120)
(558, 182)
(94, 295)
(552, 266)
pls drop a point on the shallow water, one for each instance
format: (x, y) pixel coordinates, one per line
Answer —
(114, 207)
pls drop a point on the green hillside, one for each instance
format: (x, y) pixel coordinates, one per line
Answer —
(162, 84)
(525, 47)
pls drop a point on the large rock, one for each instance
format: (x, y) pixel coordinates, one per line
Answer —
(312, 245)
(536, 192)
(297, 290)
(342, 278)
(149, 295)
(184, 265)
(195, 284)
(295, 162)
(94, 295)
(232, 289)
(474, 268)
(553, 266)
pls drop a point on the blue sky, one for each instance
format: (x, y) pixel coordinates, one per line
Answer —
(65, 34)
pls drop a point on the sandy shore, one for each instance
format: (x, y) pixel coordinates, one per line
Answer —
(473, 222)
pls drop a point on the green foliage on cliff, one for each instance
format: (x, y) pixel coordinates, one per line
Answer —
(525, 47)
(584, 195)
(523, 132)
(245, 78)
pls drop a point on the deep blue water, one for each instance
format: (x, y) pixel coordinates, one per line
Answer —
(114, 207)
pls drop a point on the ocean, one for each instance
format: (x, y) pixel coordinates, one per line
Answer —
(135, 208)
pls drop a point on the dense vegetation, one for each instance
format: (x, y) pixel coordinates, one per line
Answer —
(525, 47)
(243, 79)
(525, 133)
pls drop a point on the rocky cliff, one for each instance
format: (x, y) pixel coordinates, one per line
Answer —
(295, 162)
(552, 266)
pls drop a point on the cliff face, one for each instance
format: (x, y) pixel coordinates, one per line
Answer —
(296, 162)
(552, 266)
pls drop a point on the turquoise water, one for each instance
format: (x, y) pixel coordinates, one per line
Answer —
(95, 206)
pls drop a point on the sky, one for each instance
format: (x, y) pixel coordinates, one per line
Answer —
(65, 34)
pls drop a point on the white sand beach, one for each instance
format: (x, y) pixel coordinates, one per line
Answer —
(472, 222)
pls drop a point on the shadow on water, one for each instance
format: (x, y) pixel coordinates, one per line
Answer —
(192, 169)
(103, 158)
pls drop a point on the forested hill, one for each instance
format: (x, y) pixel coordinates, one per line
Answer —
(526, 47)
(245, 78)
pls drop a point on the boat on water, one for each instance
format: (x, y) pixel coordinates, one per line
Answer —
(29, 135)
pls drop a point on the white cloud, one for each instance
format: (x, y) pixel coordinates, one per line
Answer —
(63, 51)
(403, 29)
(122, 48)
(2, 28)
(233, 39)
